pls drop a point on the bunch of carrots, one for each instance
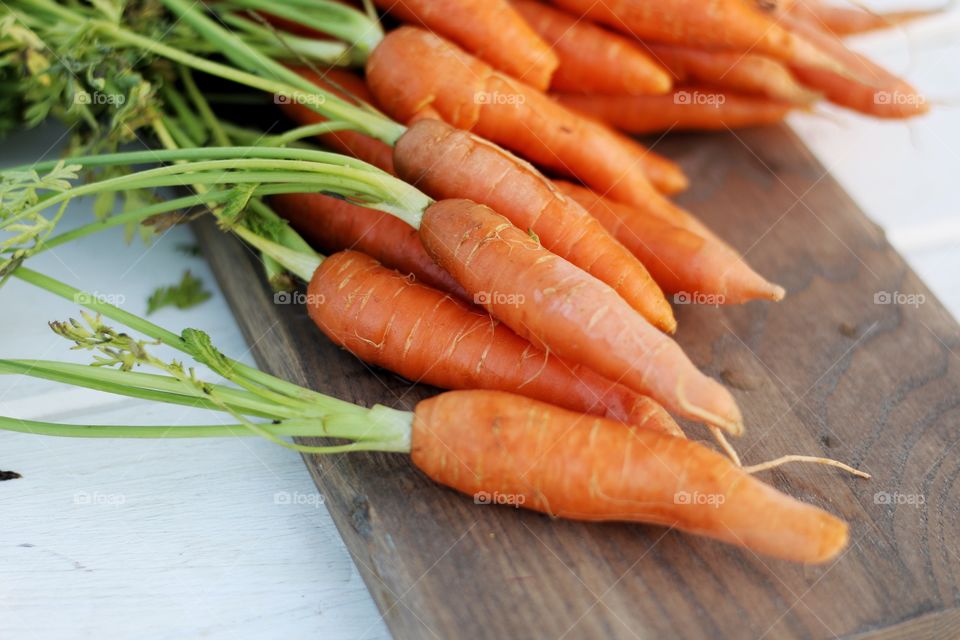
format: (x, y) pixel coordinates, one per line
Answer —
(481, 222)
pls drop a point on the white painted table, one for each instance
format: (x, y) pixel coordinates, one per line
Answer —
(229, 539)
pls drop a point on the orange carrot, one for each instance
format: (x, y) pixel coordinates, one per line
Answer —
(565, 310)
(489, 29)
(681, 261)
(425, 336)
(884, 95)
(592, 59)
(844, 21)
(717, 24)
(412, 69)
(665, 174)
(351, 143)
(332, 224)
(449, 163)
(562, 464)
(687, 109)
(748, 73)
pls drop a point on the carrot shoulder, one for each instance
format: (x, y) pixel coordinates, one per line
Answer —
(418, 332)
(490, 29)
(686, 109)
(681, 261)
(449, 163)
(571, 466)
(412, 70)
(332, 224)
(563, 309)
(592, 59)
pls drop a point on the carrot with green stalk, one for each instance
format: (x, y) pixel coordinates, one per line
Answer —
(427, 336)
(490, 29)
(566, 310)
(559, 462)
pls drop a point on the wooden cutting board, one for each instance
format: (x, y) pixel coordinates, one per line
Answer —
(832, 370)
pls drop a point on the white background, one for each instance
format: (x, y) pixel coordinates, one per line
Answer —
(192, 539)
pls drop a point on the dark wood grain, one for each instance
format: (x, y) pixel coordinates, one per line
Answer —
(827, 371)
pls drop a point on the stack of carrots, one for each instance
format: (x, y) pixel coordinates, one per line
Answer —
(561, 85)
(540, 237)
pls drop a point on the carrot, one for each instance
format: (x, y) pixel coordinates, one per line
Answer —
(498, 446)
(748, 73)
(559, 463)
(490, 29)
(449, 163)
(665, 174)
(351, 143)
(333, 224)
(844, 21)
(884, 95)
(687, 109)
(563, 309)
(592, 59)
(681, 261)
(412, 69)
(425, 336)
(717, 24)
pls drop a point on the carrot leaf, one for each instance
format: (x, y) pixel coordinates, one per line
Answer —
(189, 292)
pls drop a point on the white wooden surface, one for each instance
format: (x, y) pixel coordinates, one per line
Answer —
(229, 539)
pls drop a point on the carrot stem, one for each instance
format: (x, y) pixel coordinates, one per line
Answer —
(302, 265)
(339, 20)
(325, 172)
(146, 386)
(92, 302)
(323, 102)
